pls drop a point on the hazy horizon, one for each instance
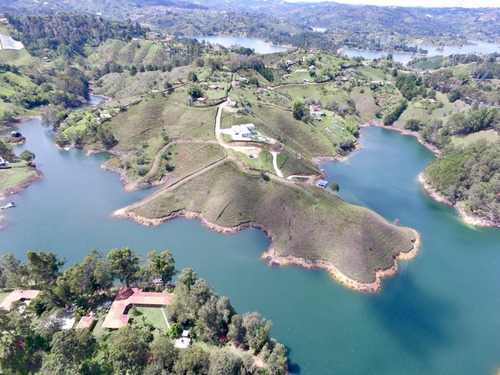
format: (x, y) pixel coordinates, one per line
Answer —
(412, 3)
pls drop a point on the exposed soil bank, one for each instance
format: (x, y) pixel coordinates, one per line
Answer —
(274, 258)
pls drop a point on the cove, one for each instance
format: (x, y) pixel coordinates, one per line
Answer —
(438, 315)
(258, 45)
(403, 57)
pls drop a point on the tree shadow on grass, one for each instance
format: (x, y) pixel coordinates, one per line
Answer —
(414, 316)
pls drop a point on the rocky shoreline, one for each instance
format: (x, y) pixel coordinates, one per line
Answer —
(273, 258)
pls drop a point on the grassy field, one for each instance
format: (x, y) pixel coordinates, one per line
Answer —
(14, 176)
(147, 119)
(487, 135)
(191, 157)
(309, 222)
(425, 111)
(263, 162)
(365, 103)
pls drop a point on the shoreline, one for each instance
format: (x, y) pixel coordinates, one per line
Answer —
(464, 216)
(273, 258)
(128, 184)
(37, 176)
(4, 194)
(420, 140)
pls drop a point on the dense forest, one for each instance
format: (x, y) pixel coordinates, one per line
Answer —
(67, 34)
(33, 341)
(469, 175)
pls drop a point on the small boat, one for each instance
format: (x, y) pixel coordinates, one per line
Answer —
(8, 205)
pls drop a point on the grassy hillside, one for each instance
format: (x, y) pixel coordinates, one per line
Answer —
(308, 222)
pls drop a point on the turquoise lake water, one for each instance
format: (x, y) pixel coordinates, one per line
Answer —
(438, 315)
(256, 44)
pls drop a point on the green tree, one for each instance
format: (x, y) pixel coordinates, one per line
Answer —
(194, 361)
(223, 362)
(236, 330)
(14, 272)
(21, 348)
(192, 76)
(82, 282)
(161, 265)
(195, 91)
(163, 353)
(277, 361)
(27, 155)
(299, 110)
(70, 348)
(125, 264)
(256, 330)
(44, 268)
(127, 351)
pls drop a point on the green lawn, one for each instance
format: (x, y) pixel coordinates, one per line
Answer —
(13, 176)
(151, 315)
(263, 162)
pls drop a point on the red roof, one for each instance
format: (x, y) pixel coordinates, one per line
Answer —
(117, 317)
(18, 295)
(85, 322)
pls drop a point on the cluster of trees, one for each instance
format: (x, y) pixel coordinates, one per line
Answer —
(394, 115)
(33, 342)
(471, 175)
(67, 34)
(94, 133)
(461, 86)
(410, 85)
(306, 39)
(461, 123)
(488, 70)
(9, 68)
(214, 320)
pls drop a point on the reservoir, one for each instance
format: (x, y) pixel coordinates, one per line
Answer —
(258, 45)
(403, 58)
(438, 315)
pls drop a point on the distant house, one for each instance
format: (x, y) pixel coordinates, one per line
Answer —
(245, 130)
(18, 295)
(183, 341)
(232, 103)
(322, 183)
(312, 67)
(86, 322)
(127, 297)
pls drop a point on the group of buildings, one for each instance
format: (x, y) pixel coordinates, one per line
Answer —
(116, 316)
